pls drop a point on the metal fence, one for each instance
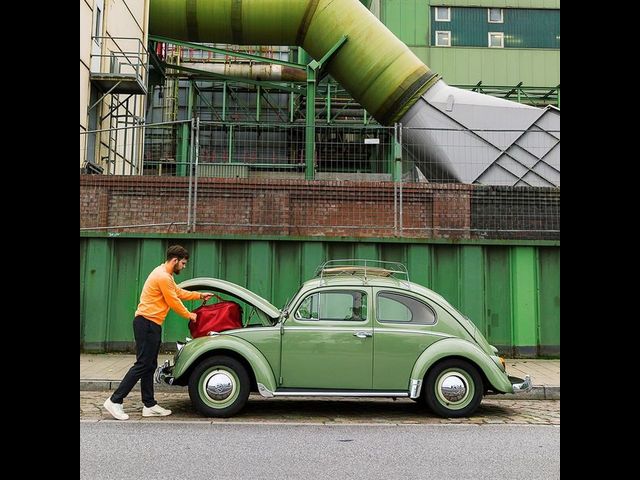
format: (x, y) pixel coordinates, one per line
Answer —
(342, 180)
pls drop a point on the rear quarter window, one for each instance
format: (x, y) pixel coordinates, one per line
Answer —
(394, 307)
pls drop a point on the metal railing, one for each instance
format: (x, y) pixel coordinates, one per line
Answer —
(363, 180)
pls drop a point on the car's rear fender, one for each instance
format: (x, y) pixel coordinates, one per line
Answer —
(198, 347)
(455, 347)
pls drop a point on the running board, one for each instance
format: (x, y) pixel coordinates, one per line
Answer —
(265, 392)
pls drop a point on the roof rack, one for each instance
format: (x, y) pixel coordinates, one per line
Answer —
(366, 268)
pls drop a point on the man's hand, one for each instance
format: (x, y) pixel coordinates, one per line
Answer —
(192, 317)
(205, 296)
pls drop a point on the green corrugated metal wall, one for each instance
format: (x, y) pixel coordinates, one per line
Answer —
(510, 290)
(496, 66)
(522, 28)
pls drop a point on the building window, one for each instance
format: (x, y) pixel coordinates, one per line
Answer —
(495, 15)
(443, 39)
(496, 40)
(443, 14)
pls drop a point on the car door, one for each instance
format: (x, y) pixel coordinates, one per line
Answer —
(327, 341)
(404, 326)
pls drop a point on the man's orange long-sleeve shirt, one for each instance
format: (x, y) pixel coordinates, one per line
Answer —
(160, 293)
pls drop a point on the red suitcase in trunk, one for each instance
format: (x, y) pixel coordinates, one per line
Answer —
(217, 317)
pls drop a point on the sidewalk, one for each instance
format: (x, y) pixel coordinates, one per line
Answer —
(104, 372)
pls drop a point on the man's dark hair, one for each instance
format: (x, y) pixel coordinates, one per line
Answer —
(177, 251)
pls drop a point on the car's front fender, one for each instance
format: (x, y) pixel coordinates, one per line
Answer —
(456, 347)
(194, 350)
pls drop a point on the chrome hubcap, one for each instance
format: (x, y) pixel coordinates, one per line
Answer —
(453, 388)
(218, 385)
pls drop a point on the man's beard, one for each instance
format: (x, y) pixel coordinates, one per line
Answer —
(176, 270)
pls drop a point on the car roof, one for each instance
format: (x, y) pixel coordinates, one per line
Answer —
(360, 280)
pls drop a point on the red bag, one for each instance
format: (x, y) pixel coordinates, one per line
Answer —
(217, 317)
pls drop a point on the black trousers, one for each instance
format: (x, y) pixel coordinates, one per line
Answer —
(148, 339)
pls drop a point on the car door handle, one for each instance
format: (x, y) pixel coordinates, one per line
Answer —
(362, 334)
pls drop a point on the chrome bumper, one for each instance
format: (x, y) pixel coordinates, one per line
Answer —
(163, 373)
(519, 385)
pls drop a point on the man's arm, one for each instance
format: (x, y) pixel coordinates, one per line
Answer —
(170, 294)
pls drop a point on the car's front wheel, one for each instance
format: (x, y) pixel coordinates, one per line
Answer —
(453, 388)
(219, 386)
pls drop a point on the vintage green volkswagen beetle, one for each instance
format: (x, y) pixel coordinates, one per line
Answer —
(358, 328)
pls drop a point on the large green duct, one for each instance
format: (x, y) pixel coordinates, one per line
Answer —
(379, 71)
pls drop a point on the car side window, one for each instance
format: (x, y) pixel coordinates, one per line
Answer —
(397, 308)
(339, 305)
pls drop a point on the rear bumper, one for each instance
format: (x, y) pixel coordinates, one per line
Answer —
(519, 385)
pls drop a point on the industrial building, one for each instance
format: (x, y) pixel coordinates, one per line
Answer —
(288, 132)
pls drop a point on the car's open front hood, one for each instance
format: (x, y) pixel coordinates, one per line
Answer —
(222, 286)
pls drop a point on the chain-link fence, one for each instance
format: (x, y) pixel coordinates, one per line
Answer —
(326, 180)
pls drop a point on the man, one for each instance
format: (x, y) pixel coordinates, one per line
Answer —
(159, 293)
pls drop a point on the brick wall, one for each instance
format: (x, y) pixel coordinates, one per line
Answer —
(292, 207)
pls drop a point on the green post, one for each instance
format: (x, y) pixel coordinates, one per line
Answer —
(310, 144)
(183, 138)
(291, 105)
(230, 144)
(396, 169)
(328, 100)
(524, 304)
(224, 100)
(258, 103)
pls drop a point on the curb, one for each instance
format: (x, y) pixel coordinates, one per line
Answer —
(538, 392)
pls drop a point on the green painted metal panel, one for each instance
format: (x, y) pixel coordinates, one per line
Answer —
(97, 300)
(522, 28)
(83, 272)
(445, 273)
(496, 66)
(407, 19)
(393, 252)
(419, 264)
(340, 250)
(472, 285)
(366, 250)
(549, 300)
(259, 268)
(206, 259)
(313, 254)
(498, 298)
(524, 288)
(510, 291)
(234, 262)
(287, 274)
(125, 295)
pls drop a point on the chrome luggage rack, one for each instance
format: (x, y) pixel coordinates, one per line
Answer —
(366, 268)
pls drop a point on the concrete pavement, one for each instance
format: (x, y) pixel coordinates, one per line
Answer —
(104, 372)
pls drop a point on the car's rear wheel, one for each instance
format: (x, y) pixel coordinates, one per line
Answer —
(219, 386)
(453, 388)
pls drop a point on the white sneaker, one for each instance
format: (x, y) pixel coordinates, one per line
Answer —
(155, 411)
(115, 409)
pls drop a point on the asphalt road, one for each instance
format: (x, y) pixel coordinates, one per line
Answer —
(159, 450)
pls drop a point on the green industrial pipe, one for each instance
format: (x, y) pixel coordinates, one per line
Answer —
(379, 71)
